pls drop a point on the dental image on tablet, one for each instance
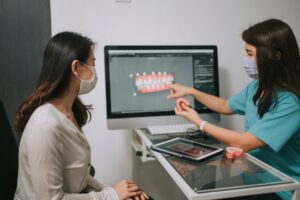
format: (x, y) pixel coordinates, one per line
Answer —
(188, 149)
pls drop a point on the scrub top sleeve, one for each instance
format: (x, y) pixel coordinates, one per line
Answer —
(278, 126)
(237, 103)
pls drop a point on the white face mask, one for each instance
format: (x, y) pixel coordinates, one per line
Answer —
(251, 67)
(88, 85)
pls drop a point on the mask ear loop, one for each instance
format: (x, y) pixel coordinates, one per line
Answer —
(86, 65)
(89, 67)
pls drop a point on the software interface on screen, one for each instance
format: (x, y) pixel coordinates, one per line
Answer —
(137, 79)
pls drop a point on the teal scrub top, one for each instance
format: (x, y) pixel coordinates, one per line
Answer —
(279, 129)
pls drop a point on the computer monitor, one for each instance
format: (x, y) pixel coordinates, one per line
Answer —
(136, 79)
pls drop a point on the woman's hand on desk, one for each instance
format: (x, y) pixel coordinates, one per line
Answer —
(127, 189)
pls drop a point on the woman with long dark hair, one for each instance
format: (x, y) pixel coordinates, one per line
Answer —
(54, 154)
(270, 102)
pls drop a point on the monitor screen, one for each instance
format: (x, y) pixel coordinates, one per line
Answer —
(137, 79)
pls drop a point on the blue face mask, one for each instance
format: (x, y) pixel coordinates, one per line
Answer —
(251, 67)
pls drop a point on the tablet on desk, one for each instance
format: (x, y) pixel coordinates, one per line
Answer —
(187, 149)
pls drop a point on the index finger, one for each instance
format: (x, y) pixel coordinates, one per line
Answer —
(182, 101)
(170, 85)
(129, 181)
(185, 106)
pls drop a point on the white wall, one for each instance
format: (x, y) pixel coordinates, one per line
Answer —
(172, 22)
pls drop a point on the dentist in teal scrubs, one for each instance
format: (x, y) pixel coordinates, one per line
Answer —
(270, 103)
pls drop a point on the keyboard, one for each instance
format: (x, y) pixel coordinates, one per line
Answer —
(170, 129)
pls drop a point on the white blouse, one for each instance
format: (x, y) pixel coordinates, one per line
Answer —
(55, 160)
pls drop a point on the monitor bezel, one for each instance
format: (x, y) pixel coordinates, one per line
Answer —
(108, 48)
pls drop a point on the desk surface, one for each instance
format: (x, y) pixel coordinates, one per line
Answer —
(219, 177)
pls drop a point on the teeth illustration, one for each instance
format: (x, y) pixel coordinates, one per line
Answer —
(148, 83)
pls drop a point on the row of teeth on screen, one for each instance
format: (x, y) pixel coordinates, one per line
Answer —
(147, 83)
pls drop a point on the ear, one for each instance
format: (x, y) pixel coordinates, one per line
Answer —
(74, 67)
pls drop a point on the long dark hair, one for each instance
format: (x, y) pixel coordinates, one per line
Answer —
(278, 61)
(60, 52)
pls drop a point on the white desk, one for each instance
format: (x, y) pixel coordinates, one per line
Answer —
(278, 181)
